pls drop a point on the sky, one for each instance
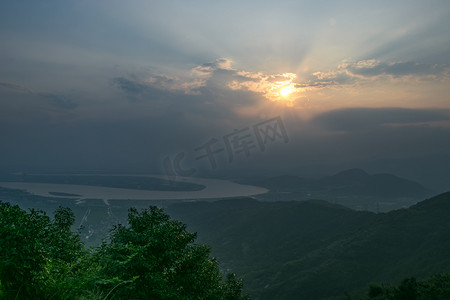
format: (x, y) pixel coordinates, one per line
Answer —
(226, 88)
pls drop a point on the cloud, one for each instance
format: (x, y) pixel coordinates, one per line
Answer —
(129, 86)
(372, 68)
(53, 99)
(220, 77)
(349, 72)
(208, 68)
(16, 87)
(175, 84)
(362, 119)
(188, 85)
(271, 86)
(140, 88)
(59, 101)
(219, 74)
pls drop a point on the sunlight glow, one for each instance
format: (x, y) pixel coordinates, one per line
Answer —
(275, 87)
(286, 91)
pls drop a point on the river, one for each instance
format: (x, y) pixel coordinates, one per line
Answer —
(214, 188)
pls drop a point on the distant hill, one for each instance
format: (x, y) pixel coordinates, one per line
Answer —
(347, 177)
(353, 188)
(315, 249)
(358, 182)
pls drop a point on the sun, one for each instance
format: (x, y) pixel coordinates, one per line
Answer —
(286, 91)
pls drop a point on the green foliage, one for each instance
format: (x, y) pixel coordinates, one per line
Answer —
(155, 258)
(436, 287)
(152, 258)
(64, 218)
(22, 250)
(35, 251)
(233, 288)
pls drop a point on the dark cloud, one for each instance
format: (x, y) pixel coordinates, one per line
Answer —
(209, 67)
(59, 101)
(354, 137)
(157, 85)
(357, 119)
(130, 87)
(153, 89)
(13, 86)
(53, 99)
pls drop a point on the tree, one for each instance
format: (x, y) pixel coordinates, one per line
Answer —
(22, 250)
(152, 258)
(408, 289)
(62, 243)
(156, 258)
(435, 287)
(36, 253)
(233, 288)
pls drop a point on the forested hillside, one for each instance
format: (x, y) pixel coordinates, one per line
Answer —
(313, 249)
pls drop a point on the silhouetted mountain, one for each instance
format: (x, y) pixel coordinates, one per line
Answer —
(347, 177)
(315, 249)
(356, 181)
